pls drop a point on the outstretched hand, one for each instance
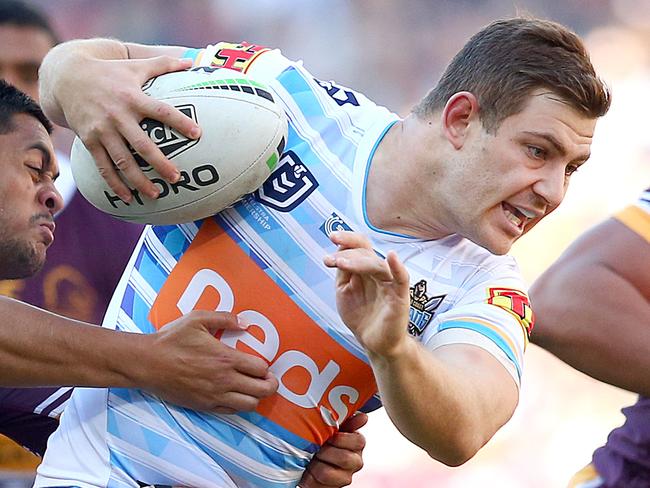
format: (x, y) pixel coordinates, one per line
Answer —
(372, 294)
(195, 370)
(106, 114)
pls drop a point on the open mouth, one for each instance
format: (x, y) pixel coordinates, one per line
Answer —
(517, 216)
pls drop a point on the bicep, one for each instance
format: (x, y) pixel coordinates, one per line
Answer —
(592, 306)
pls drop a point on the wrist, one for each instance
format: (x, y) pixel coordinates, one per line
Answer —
(129, 362)
(403, 348)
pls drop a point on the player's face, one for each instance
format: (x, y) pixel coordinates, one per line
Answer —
(23, 49)
(28, 199)
(508, 181)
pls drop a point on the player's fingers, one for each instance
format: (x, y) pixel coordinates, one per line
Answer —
(349, 441)
(161, 111)
(108, 171)
(236, 402)
(246, 363)
(309, 481)
(347, 240)
(327, 473)
(255, 387)
(360, 262)
(159, 65)
(397, 269)
(154, 113)
(342, 458)
(354, 423)
(215, 321)
(128, 168)
(171, 116)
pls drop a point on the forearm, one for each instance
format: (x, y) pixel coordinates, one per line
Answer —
(450, 402)
(38, 348)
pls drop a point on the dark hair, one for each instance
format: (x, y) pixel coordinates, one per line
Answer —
(12, 102)
(15, 12)
(507, 60)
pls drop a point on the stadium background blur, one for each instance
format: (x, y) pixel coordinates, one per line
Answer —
(393, 52)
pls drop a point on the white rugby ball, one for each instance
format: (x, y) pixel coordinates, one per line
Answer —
(244, 131)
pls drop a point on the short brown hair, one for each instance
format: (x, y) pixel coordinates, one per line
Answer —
(507, 60)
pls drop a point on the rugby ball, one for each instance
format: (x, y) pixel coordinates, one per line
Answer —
(244, 130)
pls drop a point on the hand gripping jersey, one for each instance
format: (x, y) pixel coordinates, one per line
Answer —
(623, 460)
(262, 259)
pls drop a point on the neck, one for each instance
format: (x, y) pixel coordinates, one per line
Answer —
(402, 178)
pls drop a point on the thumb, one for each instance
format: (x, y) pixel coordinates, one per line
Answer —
(214, 321)
(354, 423)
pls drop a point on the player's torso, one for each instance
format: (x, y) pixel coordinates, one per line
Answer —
(262, 259)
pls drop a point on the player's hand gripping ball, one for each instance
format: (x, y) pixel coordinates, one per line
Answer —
(244, 131)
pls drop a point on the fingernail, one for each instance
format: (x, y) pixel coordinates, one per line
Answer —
(175, 176)
(126, 197)
(195, 133)
(241, 323)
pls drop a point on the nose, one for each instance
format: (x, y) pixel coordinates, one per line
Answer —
(552, 186)
(50, 198)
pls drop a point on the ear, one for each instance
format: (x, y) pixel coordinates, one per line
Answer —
(461, 109)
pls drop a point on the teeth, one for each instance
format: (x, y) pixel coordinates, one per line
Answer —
(513, 218)
(527, 213)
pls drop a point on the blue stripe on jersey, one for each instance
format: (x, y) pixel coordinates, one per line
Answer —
(269, 426)
(169, 451)
(133, 432)
(487, 332)
(302, 92)
(173, 238)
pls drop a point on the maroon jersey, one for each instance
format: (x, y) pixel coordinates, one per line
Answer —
(625, 459)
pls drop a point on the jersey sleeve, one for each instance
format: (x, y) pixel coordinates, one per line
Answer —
(492, 312)
(243, 57)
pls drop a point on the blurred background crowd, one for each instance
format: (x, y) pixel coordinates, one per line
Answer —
(393, 51)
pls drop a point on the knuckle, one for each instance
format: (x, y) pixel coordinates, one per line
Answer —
(93, 132)
(162, 110)
(248, 405)
(122, 163)
(128, 96)
(105, 172)
(141, 143)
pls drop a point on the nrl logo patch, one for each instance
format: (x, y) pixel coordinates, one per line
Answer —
(288, 186)
(422, 307)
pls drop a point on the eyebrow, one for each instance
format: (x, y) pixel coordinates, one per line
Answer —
(47, 159)
(559, 147)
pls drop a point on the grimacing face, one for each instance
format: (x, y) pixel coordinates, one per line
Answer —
(23, 50)
(28, 198)
(503, 184)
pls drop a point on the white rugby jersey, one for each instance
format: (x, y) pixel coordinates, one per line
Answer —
(262, 259)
